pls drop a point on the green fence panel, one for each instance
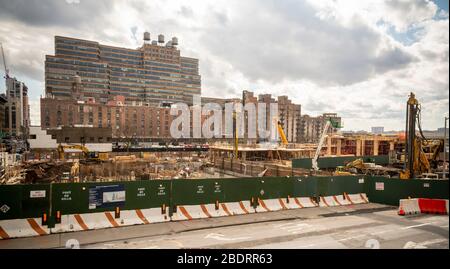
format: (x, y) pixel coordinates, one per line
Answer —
(349, 184)
(389, 191)
(196, 191)
(147, 194)
(35, 200)
(10, 202)
(240, 189)
(276, 187)
(73, 198)
(304, 187)
(322, 186)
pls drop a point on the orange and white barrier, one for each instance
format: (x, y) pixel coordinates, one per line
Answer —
(327, 201)
(237, 208)
(91, 221)
(270, 205)
(188, 212)
(342, 199)
(359, 198)
(345, 199)
(22, 228)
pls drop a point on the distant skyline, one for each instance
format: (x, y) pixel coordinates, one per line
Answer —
(360, 59)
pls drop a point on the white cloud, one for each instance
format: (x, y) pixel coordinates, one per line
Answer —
(326, 55)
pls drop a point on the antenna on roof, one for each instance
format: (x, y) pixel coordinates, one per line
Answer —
(4, 62)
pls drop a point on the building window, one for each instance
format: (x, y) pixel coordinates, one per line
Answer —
(91, 139)
(32, 136)
(67, 139)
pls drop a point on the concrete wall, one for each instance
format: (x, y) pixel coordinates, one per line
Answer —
(42, 140)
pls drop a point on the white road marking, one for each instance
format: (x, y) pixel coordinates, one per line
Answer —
(446, 226)
(284, 224)
(222, 237)
(418, 225)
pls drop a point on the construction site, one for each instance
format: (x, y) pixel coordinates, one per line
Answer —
(109, 168)
(340, 155)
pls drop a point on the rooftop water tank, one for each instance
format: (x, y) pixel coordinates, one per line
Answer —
(161, 38)
(174, 41)
(146, 36)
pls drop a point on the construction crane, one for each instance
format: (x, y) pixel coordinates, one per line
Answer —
(88, 155)
(283, 138)
(4, 62)
(416, 161)
(320, 145)
(235, 136)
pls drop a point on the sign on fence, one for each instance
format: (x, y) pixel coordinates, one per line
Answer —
(106, 196)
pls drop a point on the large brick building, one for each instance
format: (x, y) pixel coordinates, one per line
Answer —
(127, 90)
(151, 74)
(124, 120)
(311, 128)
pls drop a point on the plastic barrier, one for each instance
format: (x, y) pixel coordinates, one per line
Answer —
(408, 207)
(359, 198)
(342, 200)
(237, 208)
(296, 202)
(423, 205)
(433, 206)
(269, 205)
(91, 221)
(22, 228)
(327, 201)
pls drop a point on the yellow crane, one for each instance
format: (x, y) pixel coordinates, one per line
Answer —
(283, 138)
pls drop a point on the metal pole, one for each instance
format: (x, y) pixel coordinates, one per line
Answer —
(445, 145)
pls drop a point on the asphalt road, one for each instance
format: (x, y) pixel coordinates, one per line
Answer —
(361, 226)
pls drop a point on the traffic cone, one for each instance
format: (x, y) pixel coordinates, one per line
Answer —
(401, 212)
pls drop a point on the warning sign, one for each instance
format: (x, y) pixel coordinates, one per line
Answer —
(379, 186)
(37, 194)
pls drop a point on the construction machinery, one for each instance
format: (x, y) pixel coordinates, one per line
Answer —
(416, 161)
(235, 136)
(328, 124)
(90, 156)
(283, 138)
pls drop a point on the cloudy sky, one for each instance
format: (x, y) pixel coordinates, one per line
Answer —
(357, 58)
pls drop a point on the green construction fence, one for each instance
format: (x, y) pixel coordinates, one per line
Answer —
(29, 201)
